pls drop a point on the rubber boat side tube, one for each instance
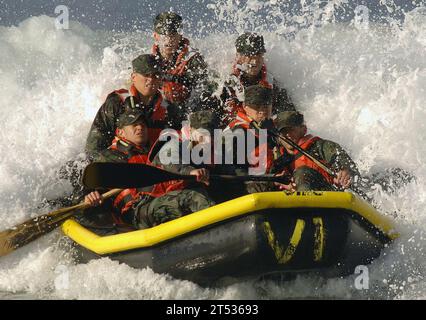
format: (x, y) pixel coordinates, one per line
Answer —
(227, 210)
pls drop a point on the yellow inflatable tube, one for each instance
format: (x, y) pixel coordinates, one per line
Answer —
(236, 207)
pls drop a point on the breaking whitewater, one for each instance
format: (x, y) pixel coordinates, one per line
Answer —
(364, 88)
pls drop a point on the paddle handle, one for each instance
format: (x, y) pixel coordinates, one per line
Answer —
(298, 148)
(105, 196)
(111, 193)
(218, 177)
(83, 205)
(315, 160)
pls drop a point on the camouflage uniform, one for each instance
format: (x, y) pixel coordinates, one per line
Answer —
(250, 44)
(187, 71)
(151, 211)
(170, 206)
(256, 96)
(104, 125)
(122, 153)
(192, 198)
(332, 154)
(328, 152)
(148, 210)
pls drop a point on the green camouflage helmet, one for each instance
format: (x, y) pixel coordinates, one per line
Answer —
(250, 44)
(257, 96)
(146, 64)
(205, 119)
(167, 23)
(288, 119)
(129, 117)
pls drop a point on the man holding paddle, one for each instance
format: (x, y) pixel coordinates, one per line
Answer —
(196, 149)
(151, 205)
(306, 173)
(254, 120)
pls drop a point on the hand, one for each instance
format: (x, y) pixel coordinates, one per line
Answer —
(93, 199)
(343, 179)
(202, 175)
(290, 150)
(291, 186)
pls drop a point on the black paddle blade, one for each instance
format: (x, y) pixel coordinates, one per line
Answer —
(125, 175)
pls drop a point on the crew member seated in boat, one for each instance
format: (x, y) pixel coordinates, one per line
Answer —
(255, 115)
(152, 205)
(193, 150)
(306, 175)
(144, 95)
(185, 73)
(249, 69)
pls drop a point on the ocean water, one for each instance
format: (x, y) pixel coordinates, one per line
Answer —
(360, 84)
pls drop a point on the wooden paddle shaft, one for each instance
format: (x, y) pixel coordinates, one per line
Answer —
(298, 148)
(83, 205)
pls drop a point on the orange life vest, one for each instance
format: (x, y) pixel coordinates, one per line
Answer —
(175, 85)
(159, 113)
(171, 185)
(126, 198)
(302, 161)
(234, 105)
(243, 121)
(264, 80)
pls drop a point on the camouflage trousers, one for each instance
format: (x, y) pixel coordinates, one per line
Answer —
(308, 179)
(171, 206)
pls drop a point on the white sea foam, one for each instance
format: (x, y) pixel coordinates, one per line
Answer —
(362, 88)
